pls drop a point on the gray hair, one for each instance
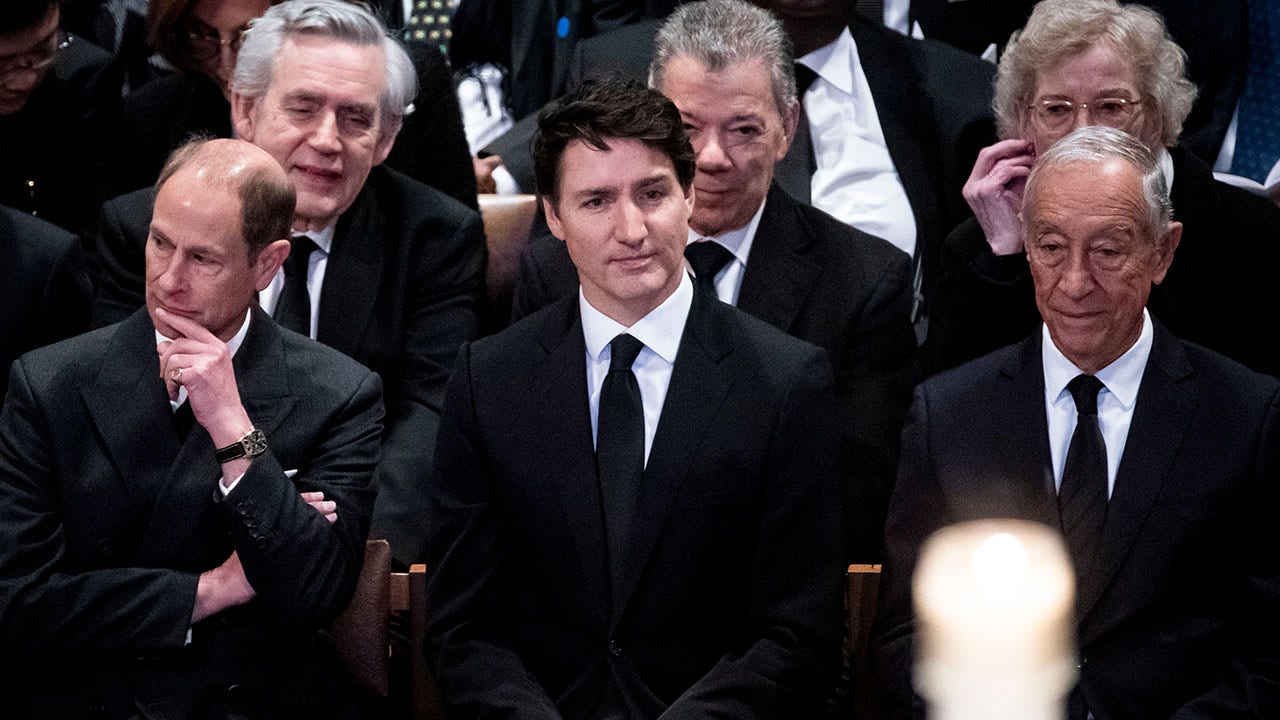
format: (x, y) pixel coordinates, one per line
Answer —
(1060, 29)
(719, 33)
(1098, 144)
(334, 19)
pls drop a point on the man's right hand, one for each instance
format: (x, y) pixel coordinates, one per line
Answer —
(994, 192)
(220, 588)
(484, 168)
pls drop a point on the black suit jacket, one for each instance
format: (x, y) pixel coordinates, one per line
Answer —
(1220, 290)
(933, 102)
(108, 519)
(400, 295)
(165, 113)
(732, 604)
(44, 288)
(1178, 616)
(832, 285)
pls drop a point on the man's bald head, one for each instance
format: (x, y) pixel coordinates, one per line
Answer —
(266, 195)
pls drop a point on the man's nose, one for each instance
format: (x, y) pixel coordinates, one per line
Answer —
(325, 136)
(631, 223)
(710, 156)
(1077, 277)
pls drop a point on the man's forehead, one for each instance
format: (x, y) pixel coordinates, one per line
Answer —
(321, 63)
(28, 39)
(615, 164)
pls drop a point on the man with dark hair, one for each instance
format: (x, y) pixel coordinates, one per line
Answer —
(385, 269)
(1158, 459)
(184, 496)
(727, 66)
(59, 112)
(636, 505)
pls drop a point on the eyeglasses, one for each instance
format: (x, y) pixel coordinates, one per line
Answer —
(207, 44)
(1057, 115)
(37, 58)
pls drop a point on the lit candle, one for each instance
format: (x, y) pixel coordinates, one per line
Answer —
(994, 604)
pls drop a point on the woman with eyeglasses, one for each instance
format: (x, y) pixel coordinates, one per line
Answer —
(1096, 62)
(201, 39)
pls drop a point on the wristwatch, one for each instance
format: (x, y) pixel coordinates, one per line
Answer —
(253, 444)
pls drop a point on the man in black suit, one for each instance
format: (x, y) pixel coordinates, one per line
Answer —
(932, 115)
(59, 117)
(636, 507)
(1158, 459)
(394, 277)
(1072, 54)
(43, 287)
(185, 495)
(787, 263)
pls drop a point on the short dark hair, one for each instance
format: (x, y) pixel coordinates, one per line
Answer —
(266, 198)
(19, 15)
(604, 109)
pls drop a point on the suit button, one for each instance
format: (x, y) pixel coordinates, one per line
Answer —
(614, 648)
(106, 550)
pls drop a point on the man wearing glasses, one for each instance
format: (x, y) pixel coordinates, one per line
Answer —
(59, 98)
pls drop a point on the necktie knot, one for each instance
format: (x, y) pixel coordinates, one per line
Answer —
(1084, 391)
(300, 248)
(707, 258)
(623, 351)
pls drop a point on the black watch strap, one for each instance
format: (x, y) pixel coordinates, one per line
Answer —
(253, 444)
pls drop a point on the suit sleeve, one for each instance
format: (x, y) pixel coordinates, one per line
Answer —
(1245, 686)
(785, 667)
(303, 568)
(446, 291)
(119, 262)
(871, 381)
(49, 610)
(917, 488)
(480, 673)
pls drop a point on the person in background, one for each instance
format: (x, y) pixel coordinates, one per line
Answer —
(1096, 62)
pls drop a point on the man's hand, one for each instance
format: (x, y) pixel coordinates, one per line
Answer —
(201, 363)
(328, 509)
(220, 588)
(994, 192)
(484, 168)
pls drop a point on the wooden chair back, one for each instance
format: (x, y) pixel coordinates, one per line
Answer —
(862, 590)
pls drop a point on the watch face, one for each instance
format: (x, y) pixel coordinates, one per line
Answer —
(255, 443)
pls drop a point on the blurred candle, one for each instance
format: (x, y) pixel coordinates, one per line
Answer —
(994, 605)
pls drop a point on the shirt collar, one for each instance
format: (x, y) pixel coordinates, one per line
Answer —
(660, 330)
(323, 238)
(737, 241)
(834, 62)
(1122, 377)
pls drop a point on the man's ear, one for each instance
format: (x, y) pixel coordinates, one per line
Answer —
(553, 218)
(790, 122)
(1166, 244)
(268, 262)
(242, 116)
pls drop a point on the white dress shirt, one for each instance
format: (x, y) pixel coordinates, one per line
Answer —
(856, 180)
(660, 331)
(318, 263)
(729, 280)
(1116, 400)
(233, 346)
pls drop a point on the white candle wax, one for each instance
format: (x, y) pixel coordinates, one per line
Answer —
(994, 604)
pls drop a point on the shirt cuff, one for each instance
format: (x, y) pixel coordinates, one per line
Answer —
(505, 182)
(226, 489)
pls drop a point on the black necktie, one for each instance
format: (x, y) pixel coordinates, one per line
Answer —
(620, 448)
(706, 257)
(805, 77)
(293, 310)
(1082, 499)
(183, 420)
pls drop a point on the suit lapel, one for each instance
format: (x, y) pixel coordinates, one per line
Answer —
(1023, 418)
(130, 408)
(1163, 412)
(698, 386)
(188, 491)
(568, 454)
(353, 276)
(794, 172)
(778, 277)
